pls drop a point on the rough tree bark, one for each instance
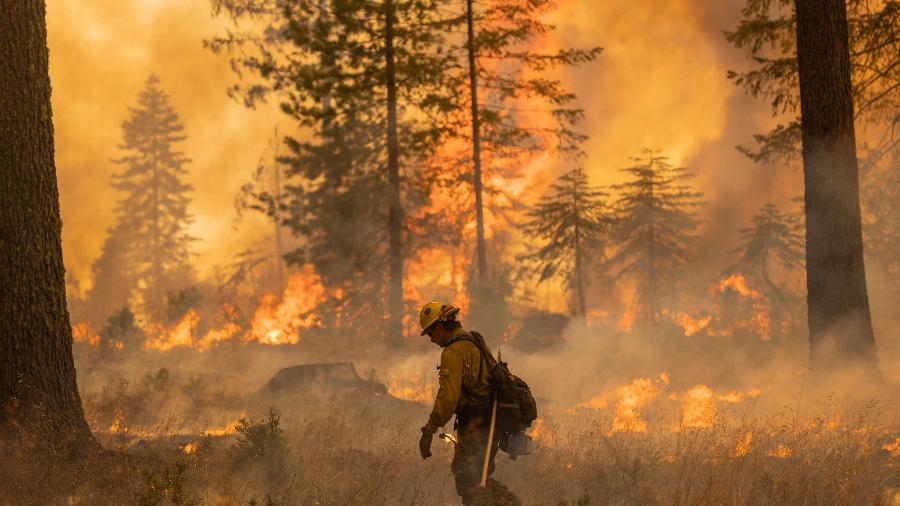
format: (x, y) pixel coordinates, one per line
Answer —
(840, 327)
(38, 393)
(395, 211)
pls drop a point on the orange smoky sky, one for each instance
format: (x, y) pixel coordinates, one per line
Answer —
(660, 83)
(101, 53)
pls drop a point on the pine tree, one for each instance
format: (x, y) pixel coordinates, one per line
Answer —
(366, 82)
(773, 241)
(772, 246)
(511, 110)
(502, 32)
(113, 281)
(39, 402)
(840, 323)
(656, 223)
(572, 224)
(767, 31)
(152, 217)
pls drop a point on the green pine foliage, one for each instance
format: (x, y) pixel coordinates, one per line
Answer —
(655, 227)
(572, 223)
(153, 217)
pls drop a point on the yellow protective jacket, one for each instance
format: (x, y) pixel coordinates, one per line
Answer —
(461, 376)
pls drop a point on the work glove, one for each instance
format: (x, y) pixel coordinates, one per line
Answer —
(425, 444)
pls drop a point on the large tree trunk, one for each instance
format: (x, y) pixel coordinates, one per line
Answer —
(481, 254)
(840, 327)
(395, 211)
(38, 393)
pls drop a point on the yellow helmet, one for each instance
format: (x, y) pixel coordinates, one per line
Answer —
(434, 312)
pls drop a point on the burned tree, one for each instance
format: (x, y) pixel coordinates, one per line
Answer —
(840, 325)
(572, 223)
(38, 393)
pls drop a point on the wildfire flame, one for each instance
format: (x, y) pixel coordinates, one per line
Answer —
(82, 333)
(631, 398)
(181, 335)
(277, 320)
(893, 448)
(744, 444)
(782, 452)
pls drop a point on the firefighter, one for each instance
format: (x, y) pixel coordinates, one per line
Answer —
(464, 390)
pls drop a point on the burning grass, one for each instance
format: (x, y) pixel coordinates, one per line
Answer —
(172, 438)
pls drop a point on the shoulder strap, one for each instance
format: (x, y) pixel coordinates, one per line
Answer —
(476, 339)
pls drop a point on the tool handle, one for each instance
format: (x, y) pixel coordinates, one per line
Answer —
(490, 438)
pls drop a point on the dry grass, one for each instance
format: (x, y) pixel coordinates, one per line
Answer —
(177, 439)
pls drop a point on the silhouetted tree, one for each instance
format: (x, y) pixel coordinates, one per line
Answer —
(772, 244)
(572, 223)
(38, 392)
(840, 325)
(368, 81)
(501, 32)
(767, 31)
(265, 194)
(153, 218)
(113, 280)
(656, 224)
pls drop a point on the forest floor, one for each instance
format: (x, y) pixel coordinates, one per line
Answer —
(173, 436)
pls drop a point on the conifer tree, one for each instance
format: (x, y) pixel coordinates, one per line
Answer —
(502, 33)
(366, 84)
(771, 250)
(572, 224)
(153, 216)
(655, 226)
(113, 280)
(511, 109)
(40, 406)
(767, 31)
(774, 240)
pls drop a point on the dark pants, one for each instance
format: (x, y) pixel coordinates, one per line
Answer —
(472, 427)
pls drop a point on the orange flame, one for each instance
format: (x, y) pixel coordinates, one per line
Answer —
(893, 448)
(182, 335)
(744, 444)
(276, 320)
(782, 452)
(689, 324)
(281, 322)
(632, 398)
(422, 392)
(82, 333)
(698, 407)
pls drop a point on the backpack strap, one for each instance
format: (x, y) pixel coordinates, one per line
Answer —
(476, 339)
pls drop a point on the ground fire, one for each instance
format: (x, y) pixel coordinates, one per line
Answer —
(504, 252)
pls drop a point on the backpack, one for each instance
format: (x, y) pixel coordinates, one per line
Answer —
(516, 407)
